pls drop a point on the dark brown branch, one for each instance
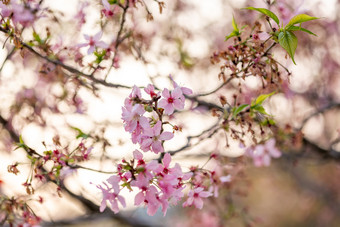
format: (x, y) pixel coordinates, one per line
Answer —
(319, 111)
(67, 67)
(88, 204)
(330, 153)
(119, 40)
(212, 129)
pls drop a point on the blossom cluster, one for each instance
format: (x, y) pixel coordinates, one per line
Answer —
(158, 184)
(148, 131)
(19, 13)
(263, 153)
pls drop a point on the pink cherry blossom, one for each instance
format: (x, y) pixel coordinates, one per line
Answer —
(172, 101)
(112, 197)
(185, 90)
(195, 197)
(152, 138)
(132, 115)
(151, 91)
(262, 153)
(18, 12)
(109, 10)
(93, 42)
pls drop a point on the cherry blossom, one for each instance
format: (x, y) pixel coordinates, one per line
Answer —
(185, 90)
(172, 101)
(262, 153)
(93, 42)
(153, 137)
(195, 197)
(109, 10)
(132, 116)
(110, 196)
(151, 91)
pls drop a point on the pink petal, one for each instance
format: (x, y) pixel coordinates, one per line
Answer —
(166, 136)
(166, 93)
(186, 91)
(179, 104)
(114, 206)
(167, 160)
(259, 150)
(137, 155)
(97, 36)
(139, 198)
(144, 122)
(189, 202)
(151, 166)
(157, 128)
(266, 160)
(87, 37)
(205, 194)
(102, 44)
(106, 4)
(121, 200)
(176, 93)
(152, 209)
(102, 205)
(162, 103)
(168, 109)
(82, 45)
(275, 153)
(258, 161)
(270, 143)
(90, 50)
(198, 202)
(157, 147)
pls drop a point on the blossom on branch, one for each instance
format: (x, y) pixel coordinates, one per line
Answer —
(93, 42)
(172, 100)
(262, 153)
(195, 197)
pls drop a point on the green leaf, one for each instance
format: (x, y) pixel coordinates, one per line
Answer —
(235, 25)
(37, 37)
(239, 109)
(259, 108)
(296, 28)
(81, 134)
(259, 100)
(232, 34)
(289, 42)
(299, 19)
(267, 13)
(21, 140)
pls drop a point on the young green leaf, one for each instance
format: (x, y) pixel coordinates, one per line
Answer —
(259, 108)
(296, 28)
(299, 19)
(259, 100)
(235, 25)
(267, 13)
(239, 109)
(81, 134)
(234, 33)
(289, 42)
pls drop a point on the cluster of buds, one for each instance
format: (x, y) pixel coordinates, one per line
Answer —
(61, 159)
(17, 212)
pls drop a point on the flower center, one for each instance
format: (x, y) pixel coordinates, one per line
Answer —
(170, 100)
